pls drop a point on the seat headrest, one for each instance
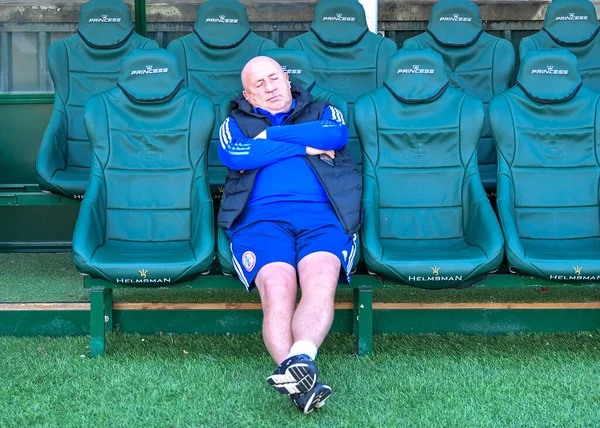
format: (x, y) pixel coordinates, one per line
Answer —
(222, 24)
(455, 23)
(105, 24)
(150, 76)
(296, 64)
(571, 22)
(549, 76)
(339, 22)
(416, 76)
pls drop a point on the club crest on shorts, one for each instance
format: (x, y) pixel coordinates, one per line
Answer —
(249, 260)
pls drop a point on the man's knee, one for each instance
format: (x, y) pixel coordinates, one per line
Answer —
(277, 281)
(320, 271)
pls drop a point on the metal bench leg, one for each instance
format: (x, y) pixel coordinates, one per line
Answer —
(108, 310)
(363, 320)
(97, 313)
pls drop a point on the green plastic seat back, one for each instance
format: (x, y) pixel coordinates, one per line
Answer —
(571, 24)
(212, 58)
(548, 164)
(82, 65)
(346, 58)
(149, 180)
(425, 207)
(477, 62)
(420, 143)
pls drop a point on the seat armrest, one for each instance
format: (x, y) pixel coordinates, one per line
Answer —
(52, 155)
(90, 229)
(480, 223)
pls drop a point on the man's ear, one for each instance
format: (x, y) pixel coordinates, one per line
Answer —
(245, 94)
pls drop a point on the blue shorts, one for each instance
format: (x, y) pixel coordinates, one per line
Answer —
(287, 232)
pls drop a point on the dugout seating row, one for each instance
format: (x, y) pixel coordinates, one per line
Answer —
(346, 59)
(147, 218)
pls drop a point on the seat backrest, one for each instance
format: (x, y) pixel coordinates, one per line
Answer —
(570, 24)
(149, 137)
(346, 58)
(212, 58)
(547, 139)
(87, 63)
(298, 67)
(419, 138)
(478, 63)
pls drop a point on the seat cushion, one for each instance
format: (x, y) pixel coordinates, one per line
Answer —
(145, 263)
(563, 259)
(72, 180)
(431, 263)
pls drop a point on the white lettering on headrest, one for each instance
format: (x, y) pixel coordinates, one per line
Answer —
(222, 20)
(456, 18)
(416, 69)
(572, 17)
(150, 70)
(549, 70)
(104, 19)
(291, 70)
(339, 17)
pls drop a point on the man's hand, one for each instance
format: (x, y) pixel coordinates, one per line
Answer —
(311, 151)
(262, 135)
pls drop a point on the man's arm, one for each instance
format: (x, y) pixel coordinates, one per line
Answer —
(241, 153)
(328, 133)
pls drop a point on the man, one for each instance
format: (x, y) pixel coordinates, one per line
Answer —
(291, 208)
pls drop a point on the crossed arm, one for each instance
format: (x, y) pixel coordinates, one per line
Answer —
(276, 143)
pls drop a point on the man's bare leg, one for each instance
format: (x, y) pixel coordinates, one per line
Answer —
(319, 273)
(276, 283)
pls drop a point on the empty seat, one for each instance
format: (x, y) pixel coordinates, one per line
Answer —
(212, 58)
(82, 65)
(478, 63)
(147, 217)
(346, 58)
(299, 69)
(427, 221)
(573, 25)
(548, 169)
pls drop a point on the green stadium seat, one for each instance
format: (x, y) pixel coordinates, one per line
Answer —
(427, 221)
(147, 217)
(82, 65)
(297, 65)
(548, 169)
(212, 58)
(573, 25)
(346, 58)
(478, 63)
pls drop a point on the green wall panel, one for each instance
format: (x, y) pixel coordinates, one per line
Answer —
(31, 227)
(21, 129)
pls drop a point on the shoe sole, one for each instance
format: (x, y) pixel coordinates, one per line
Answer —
(297, 378)
(316, 401)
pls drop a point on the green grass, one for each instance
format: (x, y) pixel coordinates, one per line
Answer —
(432, 380)
(53, 278)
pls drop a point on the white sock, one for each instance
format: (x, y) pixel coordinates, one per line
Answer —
(303, 347)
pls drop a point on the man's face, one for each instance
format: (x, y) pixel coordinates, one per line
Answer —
(266, 85)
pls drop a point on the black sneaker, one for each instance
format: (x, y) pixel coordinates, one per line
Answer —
(295, 375)
(306, 402)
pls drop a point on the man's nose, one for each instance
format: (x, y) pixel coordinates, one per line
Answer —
(269, 86)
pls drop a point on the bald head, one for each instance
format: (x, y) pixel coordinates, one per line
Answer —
(266, 85)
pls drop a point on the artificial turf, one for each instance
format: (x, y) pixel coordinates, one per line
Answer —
(53, 278)
(187, 380)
